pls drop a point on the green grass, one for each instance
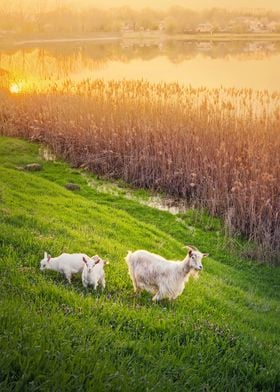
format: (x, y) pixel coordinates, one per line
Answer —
(222, 334)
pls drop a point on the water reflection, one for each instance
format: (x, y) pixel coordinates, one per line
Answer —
(212, 64)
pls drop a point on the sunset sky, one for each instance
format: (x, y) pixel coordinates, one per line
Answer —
(158, 4)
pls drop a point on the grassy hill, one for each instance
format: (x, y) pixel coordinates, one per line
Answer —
(221, 334)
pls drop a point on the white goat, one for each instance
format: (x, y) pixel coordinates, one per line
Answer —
(66, 263)
(163, 278)
(93, 272)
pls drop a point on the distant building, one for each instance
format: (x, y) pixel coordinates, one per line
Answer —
(189, 30)
(204, 28)
(256, 26)
(252, 25)
(128, 28)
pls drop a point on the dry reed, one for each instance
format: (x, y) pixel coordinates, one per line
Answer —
(217, 148)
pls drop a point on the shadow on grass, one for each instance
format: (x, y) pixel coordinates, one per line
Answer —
(124, 297)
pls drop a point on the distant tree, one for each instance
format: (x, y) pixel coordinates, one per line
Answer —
(175, 20)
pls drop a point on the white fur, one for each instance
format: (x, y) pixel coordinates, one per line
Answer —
(66, 263)
(163, 278)
(93, 272)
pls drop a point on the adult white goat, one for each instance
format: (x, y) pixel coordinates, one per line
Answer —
(93, 272)
(66, 263)
(163, 278)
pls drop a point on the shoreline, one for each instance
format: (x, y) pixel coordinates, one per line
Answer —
(19, 40)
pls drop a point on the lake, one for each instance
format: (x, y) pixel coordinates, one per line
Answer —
(239, 64)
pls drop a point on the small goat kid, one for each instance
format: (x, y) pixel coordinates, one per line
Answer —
(66, 263)
(161, 277)
(93, 272)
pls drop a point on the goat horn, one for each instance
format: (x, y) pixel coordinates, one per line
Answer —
(191, 247)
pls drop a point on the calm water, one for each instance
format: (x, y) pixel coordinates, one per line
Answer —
(211, 64)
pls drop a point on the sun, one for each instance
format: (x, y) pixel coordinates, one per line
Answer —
(15, 88)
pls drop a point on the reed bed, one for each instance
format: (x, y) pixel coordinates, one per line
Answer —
(217, 148)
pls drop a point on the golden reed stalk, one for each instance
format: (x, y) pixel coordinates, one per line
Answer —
(217, 148)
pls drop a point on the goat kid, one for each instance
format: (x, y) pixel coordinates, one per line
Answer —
(66, 263)
(93, 272)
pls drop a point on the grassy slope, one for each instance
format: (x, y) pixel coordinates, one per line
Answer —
(221, 334)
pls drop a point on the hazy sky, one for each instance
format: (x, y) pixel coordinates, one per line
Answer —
(273, 4)
(158, 4)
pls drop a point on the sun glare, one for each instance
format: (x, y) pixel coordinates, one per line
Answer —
(15, 88)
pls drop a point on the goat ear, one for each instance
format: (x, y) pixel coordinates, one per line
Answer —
(96, 261)
(190, 252)
(49, 257)
(205, 254)
(84, 260)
